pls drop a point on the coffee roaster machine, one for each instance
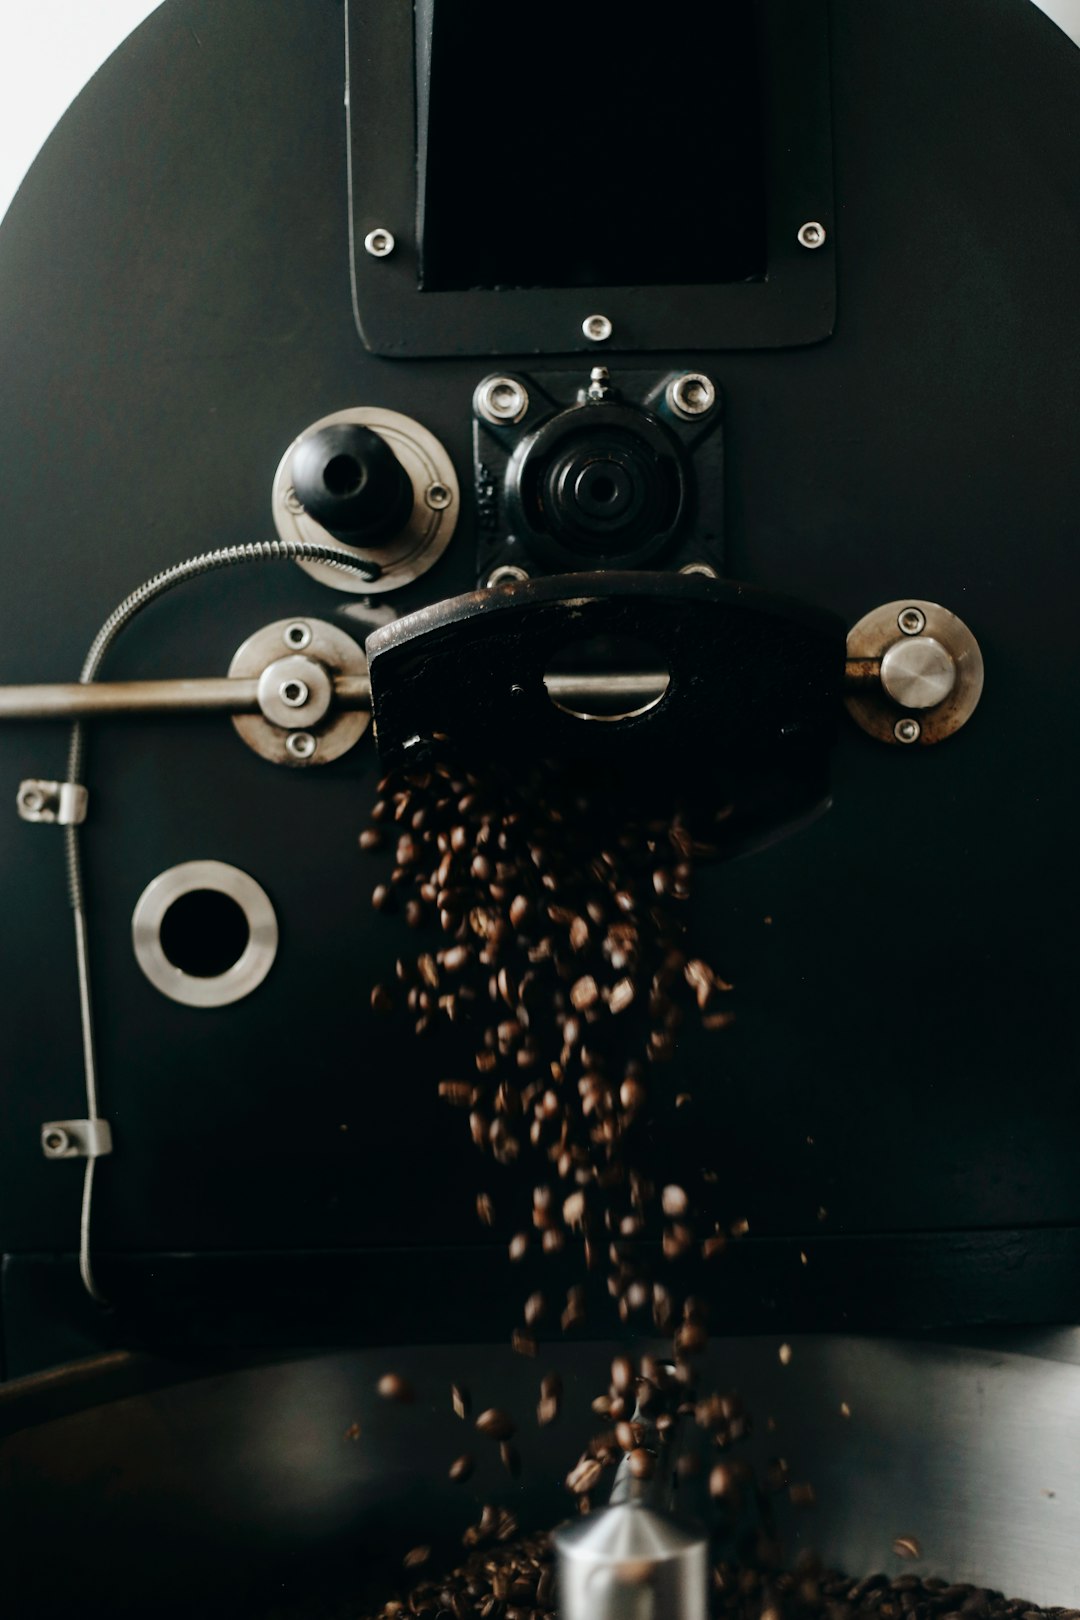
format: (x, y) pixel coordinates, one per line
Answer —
(394, 363)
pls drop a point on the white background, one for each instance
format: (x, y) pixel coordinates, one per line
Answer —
(50, 48)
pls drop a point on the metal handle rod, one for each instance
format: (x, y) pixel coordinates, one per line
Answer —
(71, 700)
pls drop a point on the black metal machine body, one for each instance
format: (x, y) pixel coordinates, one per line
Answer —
(897, 398)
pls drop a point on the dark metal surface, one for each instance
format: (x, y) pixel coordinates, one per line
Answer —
(239, 1493)
(472, 668)
(176, 307)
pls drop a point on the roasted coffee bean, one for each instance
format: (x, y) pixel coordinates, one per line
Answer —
(462, 1467)
(485, 1209)
(641, 1463)
(495, 1424)
(460, 1400)
(392, 1387)
(418, 1556)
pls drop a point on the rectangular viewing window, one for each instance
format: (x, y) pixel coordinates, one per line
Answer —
(585, 143)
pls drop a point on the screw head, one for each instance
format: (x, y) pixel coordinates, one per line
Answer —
(907, 730)
(501, 399)
(294, 693)
(597, 328)
(506, 574)
(438, 497)
(300, 744)
(55, 1141)
(32, 799)
(298, 634)
(692, 394)
(379, 242)
(812, 234)
(912, 621)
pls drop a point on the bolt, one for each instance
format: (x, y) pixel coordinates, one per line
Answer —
(379, 242)
(56, 1141)
(907, 730)
(912, 621)
(32, 799)
(705, 569)
(294, 693)
(438, 497)
(691, 395)
(812, 234)
(500, 399)
(597, 328)
(506, 574)
(300, 744)
(297, 635)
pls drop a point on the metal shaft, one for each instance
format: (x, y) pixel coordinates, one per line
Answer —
(70, 700)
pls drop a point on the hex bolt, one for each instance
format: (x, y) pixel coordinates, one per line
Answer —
(300, 744)
(297, 635)
(379, 242)
(56, 1141)
(597, 328)
(812, 234)
(500, 399)
(506, 574)
(912, 621)
(692, 394)
(294, 693)
(907, 730)
(438, 497)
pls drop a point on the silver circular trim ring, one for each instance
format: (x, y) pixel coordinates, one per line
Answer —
(429, 528)
(254, 963)
(597, 328)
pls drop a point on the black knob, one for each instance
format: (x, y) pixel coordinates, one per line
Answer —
(352, 483)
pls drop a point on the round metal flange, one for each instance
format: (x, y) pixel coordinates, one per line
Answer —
(299, 723)
(436, 504)
(251, 966)
(931, 673)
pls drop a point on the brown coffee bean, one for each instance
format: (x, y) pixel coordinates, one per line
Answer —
(907, 1547)
(622, 1375)
(674, 1201)
(641, 1463)
(392, 1387)
(522, 1342)
(495, 1424)
(485, 1209)
(535, 1306)
(584, 1475)
(519, 1244)
(622, 996)
(584, 993)
(510, 1459)
(461, 1468)
(382, 1002)
(418, 1556)
(460, 1400)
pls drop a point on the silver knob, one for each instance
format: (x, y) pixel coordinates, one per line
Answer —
(918, 672)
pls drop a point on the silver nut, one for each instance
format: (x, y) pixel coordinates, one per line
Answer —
(438, 497)
(55, 1141)
(506, 574)
(379, 242)
(297, 635)
(812, 234)
(597, 328)
(692, 394)
(705, 569)
(294, 694)
(300, 744)
(907, 730)
(912, 621)
(500, 399)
